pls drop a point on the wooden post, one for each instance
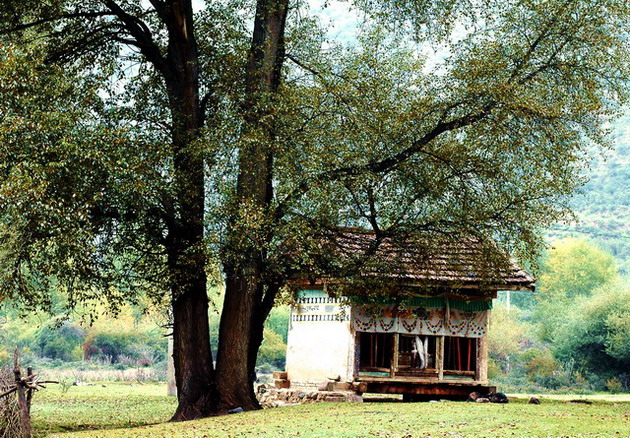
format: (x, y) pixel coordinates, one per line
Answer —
(469, 352)
(25, 417)
(171, 386)
(482, 360)
(395, 358)
(439, 360)
(29, 393)
(372, 348)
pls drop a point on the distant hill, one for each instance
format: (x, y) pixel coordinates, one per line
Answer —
(603, 206)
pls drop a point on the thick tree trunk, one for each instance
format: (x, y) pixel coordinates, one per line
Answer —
(247, 297)
(194, 370)
(234, 376)
(194, 374)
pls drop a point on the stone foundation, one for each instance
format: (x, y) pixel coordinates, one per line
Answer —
(275, 397)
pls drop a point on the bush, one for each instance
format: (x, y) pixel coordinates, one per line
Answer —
(597, 334)
(61, 343)
(539, 364)
(614, 385)
(127, 348)
(272, 350)
(494, 370)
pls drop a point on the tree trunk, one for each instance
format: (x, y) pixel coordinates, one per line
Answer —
(247, 298)
(194, 370)
(234, 377)
(194, 374)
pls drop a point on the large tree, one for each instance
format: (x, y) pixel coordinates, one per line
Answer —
(146, 144)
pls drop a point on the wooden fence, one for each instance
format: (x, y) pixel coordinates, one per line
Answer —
(16, 393)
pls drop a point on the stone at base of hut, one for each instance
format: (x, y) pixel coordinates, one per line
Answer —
(280, 375)
(473, 396)
(359, 387)
(282, 383)
(534, 401)
(275, 397)
(499, 397)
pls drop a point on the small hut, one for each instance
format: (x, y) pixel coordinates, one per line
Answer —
(421, 334)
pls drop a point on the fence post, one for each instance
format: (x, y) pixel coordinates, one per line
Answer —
(20, 386)
(29, 392)
(24, 414)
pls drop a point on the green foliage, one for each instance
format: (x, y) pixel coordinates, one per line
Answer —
(366, 135)
(65, 184)
(593, 336)
(278, 321)
(618, 333)
(60, 343)
(539, 364)
(117, 180)
(614, 385)
(272, 350)
(508, 337)
(125, 346)
(576, 335)
(46, 342)
(575, 267)
(602, 205)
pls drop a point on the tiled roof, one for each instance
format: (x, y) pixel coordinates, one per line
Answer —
(464, 263)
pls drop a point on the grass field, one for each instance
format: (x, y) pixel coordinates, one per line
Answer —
(124, 410)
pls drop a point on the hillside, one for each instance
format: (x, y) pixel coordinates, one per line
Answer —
(603, 204)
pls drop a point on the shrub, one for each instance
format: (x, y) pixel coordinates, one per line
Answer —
(130, 347)
(107, 345)
(539, 364)
(272, 350)
(597, 334)
(614, 385)
(60, 343)
(494, 370)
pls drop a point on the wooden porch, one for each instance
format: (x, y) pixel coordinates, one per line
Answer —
(423, 388)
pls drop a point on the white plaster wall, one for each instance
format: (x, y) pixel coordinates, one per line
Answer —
(318, 350)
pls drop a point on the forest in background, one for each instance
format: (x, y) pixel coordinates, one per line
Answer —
(602, 206)
(572, 334)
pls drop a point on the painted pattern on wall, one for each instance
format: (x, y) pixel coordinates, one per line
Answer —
(421, 321)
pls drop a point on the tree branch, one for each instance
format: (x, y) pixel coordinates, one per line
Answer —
(381, 166)
(25, 26)
(142, 34)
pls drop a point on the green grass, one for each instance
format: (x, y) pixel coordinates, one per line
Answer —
(99, 411)
(100, 406)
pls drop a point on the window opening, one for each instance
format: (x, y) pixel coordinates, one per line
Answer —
(416, 354)
(375, 352)
(460, 354)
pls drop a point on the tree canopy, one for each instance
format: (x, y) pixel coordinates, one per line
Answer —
(575, 267)
(150, 146)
